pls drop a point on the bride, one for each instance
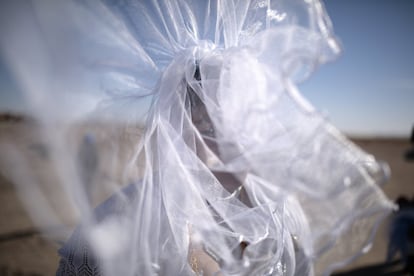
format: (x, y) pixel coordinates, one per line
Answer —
(242, 176)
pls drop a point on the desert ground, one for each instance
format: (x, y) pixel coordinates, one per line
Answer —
(25, 251)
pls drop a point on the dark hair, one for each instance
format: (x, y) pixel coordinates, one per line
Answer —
(199, 113)
(194, 99)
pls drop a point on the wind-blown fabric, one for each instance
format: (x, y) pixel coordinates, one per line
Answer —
(313, 197)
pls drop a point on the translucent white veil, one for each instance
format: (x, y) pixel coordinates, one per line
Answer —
(308, 200)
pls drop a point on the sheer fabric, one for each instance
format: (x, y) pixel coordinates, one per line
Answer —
(305, 200)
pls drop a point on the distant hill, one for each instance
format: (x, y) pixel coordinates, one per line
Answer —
(8, 117)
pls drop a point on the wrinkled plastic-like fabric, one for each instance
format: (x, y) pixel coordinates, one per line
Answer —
(313, 201)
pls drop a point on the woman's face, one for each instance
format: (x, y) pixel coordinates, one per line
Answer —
(202, 122)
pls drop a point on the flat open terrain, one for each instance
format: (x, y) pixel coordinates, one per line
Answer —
(23, 251)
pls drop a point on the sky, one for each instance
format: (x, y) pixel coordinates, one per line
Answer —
(367, 91)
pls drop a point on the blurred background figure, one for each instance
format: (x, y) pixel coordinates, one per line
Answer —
(88, 163)
(401, 237)
(409, 154)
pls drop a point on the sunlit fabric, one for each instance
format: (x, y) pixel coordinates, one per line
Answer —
(235, 162)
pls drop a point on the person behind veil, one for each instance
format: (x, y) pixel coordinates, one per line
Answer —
(240, 175)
